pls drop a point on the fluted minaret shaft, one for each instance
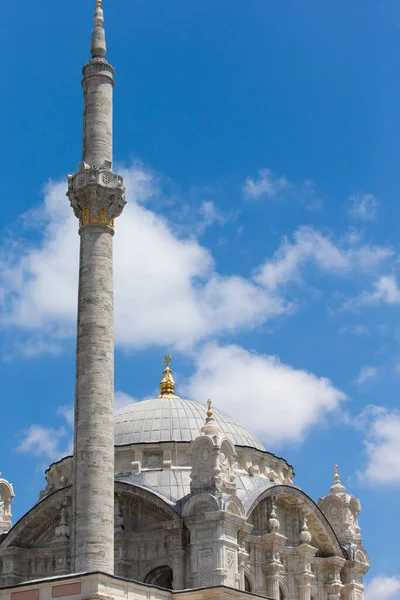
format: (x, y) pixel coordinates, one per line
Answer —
(97, 197)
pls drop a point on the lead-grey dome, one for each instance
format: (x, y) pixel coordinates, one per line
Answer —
(174, 420)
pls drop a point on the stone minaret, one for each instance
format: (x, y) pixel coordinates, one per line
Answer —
(97, 197)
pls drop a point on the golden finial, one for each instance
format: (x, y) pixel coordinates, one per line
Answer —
(336, 477)
(209, 410)
(99, 3)
(167, 384)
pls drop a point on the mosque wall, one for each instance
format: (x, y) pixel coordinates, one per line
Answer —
(98, 585)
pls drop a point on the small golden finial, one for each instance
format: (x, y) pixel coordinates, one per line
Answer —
(167, 384)
(99, 3)
(209, 410)
(336, 477)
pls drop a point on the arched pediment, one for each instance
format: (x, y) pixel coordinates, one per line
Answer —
(234, 506)
(142, 509)
(200, 504)
(293, 504)
(35, 523)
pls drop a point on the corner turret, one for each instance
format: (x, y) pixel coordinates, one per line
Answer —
(6, 497)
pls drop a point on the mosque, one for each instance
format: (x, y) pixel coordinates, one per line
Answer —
(166, 497)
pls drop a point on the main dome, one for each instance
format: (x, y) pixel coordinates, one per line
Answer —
(174, 420)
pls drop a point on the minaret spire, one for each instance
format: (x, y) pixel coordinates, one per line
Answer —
(98, 48)
(97, 196)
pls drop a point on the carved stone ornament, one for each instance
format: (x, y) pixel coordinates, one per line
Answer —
(6, 497)
(97, 195)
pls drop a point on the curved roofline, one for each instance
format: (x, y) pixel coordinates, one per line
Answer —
(34, 507)
(266, 492)
(169, 504)
(57, 462)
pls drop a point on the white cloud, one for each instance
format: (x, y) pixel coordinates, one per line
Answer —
(366, 374)
(357, 330)
(383, 588)
(164, 282)
(209, 215)
(54, 443)
(385, 291)
(166, 286)
(382, 445)
(276, 401)
(363, 207)
(67, 412)
(265, 184)
(334, 257)
(121, 399)
(43, 441)
(50, 442)
(268, 185)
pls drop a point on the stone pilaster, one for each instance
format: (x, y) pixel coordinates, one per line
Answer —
(304, 581)
(97, 197)
(334, 590)
(273, 568)
(334, 586)
(305, 577)
(178, 567)
(272, 572)
(243, 555)
(353, 574)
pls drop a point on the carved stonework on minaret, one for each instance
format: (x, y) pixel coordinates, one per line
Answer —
(97, 195)
(6, 497)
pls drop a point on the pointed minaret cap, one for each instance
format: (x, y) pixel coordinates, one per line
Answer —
(211, 426)
(98, 48)
(167, 383)
(337, 487)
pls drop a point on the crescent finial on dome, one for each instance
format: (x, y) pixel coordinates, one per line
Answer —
(167, 383)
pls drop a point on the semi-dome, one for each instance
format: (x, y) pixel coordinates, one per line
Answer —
(172, 419)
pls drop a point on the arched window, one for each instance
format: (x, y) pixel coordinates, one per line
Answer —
(161, 577)
(247, 584)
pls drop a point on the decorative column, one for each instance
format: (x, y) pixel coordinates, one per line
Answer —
(275, 542)
(59, 544)
(334, 587)
(307, 553)
(353, 574)
(304, 581)
(334, 590)
(272, 572)
(243, 555)
(97, 197)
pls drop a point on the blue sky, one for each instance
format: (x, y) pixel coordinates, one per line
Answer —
(259, 142)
